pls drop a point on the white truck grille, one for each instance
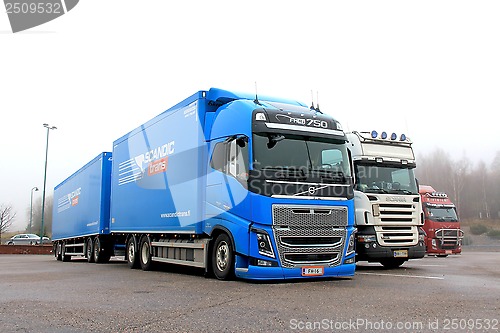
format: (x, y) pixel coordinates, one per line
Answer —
(397, 224)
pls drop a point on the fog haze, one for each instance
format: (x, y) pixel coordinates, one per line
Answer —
(427, 69)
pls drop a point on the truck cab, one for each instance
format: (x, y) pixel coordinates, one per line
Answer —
(443, 235)
(279, 183)
(387, 203)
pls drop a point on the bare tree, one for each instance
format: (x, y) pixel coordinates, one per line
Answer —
(474, 188)
(6, 218)
(459, 172)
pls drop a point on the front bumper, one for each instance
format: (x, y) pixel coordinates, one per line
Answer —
(377, 252)
(279, 273)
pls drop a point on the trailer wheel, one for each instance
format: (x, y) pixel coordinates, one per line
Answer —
(64, 256)
(58, 251)
(145, 257)
(132, 256)
(101, 255)
(392, 263)
(223, 258)
(89, 250)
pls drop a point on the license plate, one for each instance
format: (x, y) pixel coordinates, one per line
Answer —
(313, 271)
(448, 252)
(401, 254)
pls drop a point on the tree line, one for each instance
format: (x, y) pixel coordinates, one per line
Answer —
(473, 187)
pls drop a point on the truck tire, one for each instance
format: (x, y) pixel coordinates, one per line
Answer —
(223, 258)
(145, 255)
(101, 255)
(392, 263)
(89, 250)
(132, 255)
(58, 251)
(64, 256)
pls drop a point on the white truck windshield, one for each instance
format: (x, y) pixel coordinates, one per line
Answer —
(385, 179)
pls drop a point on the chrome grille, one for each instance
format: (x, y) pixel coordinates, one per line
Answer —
(310, 216)
(396, 235)
(449, 238)
(308, 235)
(397, 213)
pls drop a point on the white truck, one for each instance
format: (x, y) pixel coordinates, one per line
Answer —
(386, 199)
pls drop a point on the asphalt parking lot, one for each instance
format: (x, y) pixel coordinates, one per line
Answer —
(40, 294)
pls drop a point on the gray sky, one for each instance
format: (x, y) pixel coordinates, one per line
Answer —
(429, 69)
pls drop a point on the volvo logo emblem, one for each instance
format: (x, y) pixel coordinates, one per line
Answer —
(311, 190)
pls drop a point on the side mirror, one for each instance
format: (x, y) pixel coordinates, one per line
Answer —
(273, 139)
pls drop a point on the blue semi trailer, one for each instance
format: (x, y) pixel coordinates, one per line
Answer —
(240, 185)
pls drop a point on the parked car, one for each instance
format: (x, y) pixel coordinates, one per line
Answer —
(27, 239)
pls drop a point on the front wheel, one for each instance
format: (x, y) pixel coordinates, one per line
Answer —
(223, 258)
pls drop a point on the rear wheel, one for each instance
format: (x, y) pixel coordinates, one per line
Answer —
(132, 256)
(223, 258)
(58, 253)
(89, 250)
(145, 256)
(101, 255)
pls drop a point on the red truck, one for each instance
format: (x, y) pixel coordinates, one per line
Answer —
(443, 235)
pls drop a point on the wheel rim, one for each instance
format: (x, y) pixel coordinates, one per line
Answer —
(131, 251)
(222, 256)
(145, 252)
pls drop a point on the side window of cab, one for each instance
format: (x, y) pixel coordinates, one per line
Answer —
(231, 158)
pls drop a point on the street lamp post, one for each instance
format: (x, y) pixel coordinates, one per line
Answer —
(45, 177)
(31, 205)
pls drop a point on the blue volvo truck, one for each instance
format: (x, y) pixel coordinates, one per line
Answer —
(240, 185)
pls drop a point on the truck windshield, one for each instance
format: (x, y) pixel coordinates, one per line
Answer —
(441, 214)
(301, 155)
(385, 179)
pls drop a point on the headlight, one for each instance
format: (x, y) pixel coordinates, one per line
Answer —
(352, 245)
(264, 244)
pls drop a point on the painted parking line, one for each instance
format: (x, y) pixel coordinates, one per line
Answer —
(429, 265)
(403, 275)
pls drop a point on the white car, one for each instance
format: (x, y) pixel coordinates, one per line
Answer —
(26, 239)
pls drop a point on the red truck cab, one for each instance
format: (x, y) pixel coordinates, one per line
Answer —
(443, 235)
